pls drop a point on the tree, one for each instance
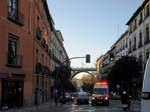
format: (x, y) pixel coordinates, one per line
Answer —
(87, 87)
(88, 83)
(125, 72)
(62, 78)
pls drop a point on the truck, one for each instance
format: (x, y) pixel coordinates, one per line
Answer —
(145, 101)
(100, 93)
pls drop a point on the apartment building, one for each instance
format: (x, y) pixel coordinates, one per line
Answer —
(25, 44)
(139, 28)
(136, 40)
(98, 68)
(121, 46)
(58, 54)
(104, 65)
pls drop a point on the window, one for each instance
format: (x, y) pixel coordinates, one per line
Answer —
(134, 25)
(140, 59)
(13, 59)
(147, 35)
(37, 52)
(140, 39)
(147, 55)
(13, 12)
(141, 18)
(12, 46)
(13, 4)
(130, 29)
(147, 11)
(130, 46)
(134, 47)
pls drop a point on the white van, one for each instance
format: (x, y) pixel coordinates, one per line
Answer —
(145, 101)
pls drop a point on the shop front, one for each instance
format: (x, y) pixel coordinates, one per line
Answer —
(12, 90)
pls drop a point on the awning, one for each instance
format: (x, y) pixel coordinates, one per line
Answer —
(5, 75)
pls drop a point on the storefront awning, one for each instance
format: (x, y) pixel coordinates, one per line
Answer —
(5, 75)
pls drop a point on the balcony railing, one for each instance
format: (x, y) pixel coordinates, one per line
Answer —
(14, 61)
(43, 43)
(15, 16)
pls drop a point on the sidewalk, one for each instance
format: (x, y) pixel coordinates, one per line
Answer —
(45, 107)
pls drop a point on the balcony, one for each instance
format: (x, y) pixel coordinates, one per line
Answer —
(14, 61)
(43, 43)
(15, 16)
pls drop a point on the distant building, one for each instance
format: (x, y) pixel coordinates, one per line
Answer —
(98, 68)
(104, 66)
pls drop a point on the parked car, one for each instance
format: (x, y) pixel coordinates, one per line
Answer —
(82, 97)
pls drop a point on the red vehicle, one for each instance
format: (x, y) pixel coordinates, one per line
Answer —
(100, 93)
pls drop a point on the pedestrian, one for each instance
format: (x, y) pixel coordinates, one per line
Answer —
(125, 98)
(56, 97)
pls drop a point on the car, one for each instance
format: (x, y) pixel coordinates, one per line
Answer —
(115, 96)
(67, 96)
(82, 97)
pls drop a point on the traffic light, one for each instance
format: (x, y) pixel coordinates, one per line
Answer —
(87, 58)
(111, 57)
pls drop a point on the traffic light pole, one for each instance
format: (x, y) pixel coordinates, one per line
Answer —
(87, 61)
(87, 58)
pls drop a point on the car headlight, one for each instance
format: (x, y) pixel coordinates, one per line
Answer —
(93, 98)
(72, 97)
(106, 98)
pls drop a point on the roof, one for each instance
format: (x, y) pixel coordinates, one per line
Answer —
(137, 11)
(49, 17)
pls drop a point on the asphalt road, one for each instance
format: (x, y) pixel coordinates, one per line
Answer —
(114, 106)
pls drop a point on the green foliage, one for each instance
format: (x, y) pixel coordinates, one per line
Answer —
(87, 87)
(62, 78)
(124, 71)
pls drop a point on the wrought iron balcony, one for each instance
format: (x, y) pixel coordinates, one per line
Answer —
(15, 16)
(14, 61)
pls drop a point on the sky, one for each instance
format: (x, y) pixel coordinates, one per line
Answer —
(91, 26)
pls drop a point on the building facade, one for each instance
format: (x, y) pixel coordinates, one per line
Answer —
(26, 52)
(136, 40)
(121, 46)
(139, 28)
(104, 66)
(58, 54)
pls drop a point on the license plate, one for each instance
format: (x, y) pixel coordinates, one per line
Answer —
(124, 105)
